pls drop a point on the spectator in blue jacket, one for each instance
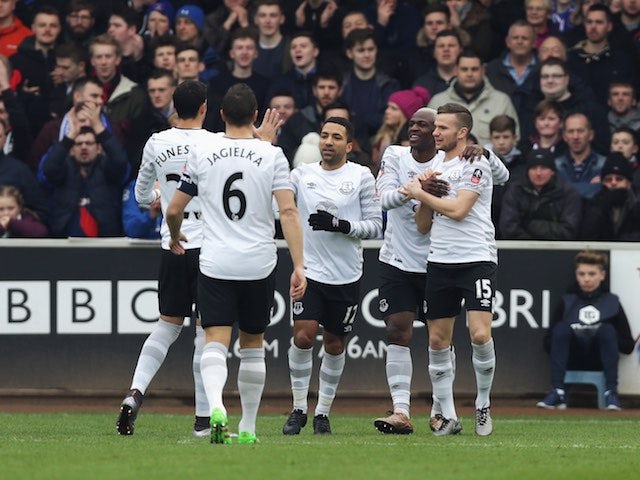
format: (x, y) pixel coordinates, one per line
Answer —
(139, 222)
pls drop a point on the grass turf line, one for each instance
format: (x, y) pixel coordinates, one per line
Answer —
(86, 446)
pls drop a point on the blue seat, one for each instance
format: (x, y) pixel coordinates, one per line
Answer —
(590, 378)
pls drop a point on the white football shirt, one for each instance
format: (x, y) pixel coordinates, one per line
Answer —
(164, 158)
(348, 193)
(404, 247)
(235, 180)
(471, 239)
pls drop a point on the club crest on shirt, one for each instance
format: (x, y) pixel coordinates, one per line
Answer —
(346, 188)
(589, 315)
(298, 308)
(454, 176)
(476, 176)
(384, 306)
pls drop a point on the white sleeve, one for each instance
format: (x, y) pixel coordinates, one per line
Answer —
(388, 181)
(371, 224)
(499, 171)
(145, 194)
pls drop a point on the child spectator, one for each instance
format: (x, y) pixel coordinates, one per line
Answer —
(576, 340)
(502, 130)
(625, 141)
(15, 220)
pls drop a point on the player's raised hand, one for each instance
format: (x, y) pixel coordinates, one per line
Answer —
(268, 129)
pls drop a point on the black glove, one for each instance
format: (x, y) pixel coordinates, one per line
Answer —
(322, 220)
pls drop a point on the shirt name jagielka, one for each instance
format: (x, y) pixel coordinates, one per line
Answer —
(238, 152)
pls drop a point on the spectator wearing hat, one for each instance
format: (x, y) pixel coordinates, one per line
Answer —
(541, 206)
(613, 214)
(190, 30)
(158, 20)
(400, 108)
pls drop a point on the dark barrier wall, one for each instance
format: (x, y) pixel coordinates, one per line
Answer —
(73, 317)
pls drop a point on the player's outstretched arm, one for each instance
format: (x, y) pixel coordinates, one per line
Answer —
(175, 214)
(292, 230)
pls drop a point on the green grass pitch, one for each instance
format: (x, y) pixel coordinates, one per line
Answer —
(86, 446)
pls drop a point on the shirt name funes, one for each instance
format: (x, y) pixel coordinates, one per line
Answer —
(176, 150)
(237, 152)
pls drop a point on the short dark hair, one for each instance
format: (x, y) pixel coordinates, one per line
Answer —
(259, 3)
(86, 129)
(72, 51)
(159, 73)
(188, 97)
(463, 115)
(165, 40)
(328, 74)
(348, 126)
(601, 7)
(468, 53)
(182, 46)
(77, 5)
(358, 36)
(629, 130)
(450, 32)
(338, 104)
(244, 32)
(306, 34)
(555, 62)
(437, 8)
(80, 83)
(239, 105)
(47, 10)
(127, 14)
(502, 123)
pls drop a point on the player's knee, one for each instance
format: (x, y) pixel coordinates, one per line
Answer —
(303, 339)
(480, 337)
(399, 331)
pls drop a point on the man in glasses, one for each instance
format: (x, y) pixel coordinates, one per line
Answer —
(87, 170)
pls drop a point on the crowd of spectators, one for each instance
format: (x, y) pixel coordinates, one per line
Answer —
(551, 85)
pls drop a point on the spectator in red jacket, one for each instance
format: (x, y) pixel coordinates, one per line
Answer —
(12, 30)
